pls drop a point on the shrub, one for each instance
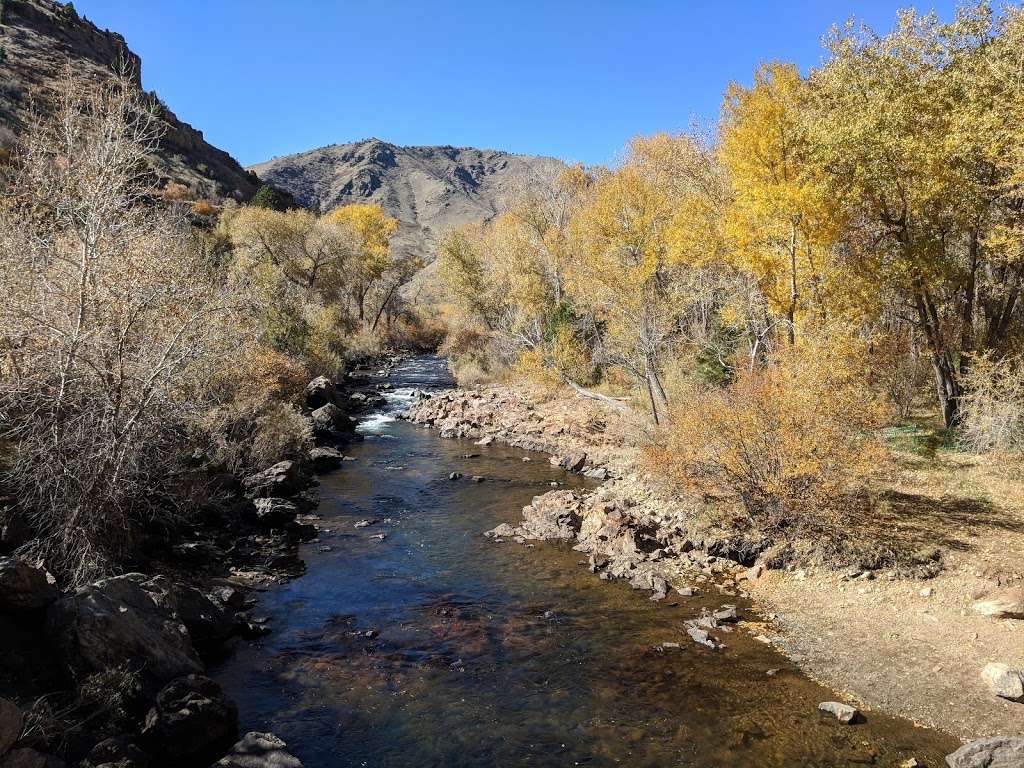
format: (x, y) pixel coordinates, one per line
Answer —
(992, 408)
(205, 208)
(471, 355)
(256, 425)
(787, 442)
(174, 192)
(271, 197)
(112, 324)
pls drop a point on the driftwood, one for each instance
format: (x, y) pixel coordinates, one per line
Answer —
(609, 401)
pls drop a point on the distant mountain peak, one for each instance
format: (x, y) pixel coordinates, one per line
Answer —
(429, 189)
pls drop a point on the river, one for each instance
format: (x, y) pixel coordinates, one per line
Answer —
(438, 647)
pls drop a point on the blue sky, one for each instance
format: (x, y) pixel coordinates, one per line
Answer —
(574, 79)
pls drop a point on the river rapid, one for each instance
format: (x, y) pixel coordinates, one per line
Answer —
(435, 646)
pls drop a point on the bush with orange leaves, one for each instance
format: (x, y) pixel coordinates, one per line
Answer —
(789, 442)
(257, 424)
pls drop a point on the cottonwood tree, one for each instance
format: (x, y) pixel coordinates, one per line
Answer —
(111, 324)
(780, 222)
(923, 185)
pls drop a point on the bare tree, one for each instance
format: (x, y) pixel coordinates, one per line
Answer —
(111, 323)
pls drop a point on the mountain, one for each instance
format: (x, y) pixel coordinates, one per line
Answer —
(40, 37)
(428, 189)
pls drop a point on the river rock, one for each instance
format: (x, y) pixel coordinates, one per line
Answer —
(999, 752)
(844, 713)
(324, 459)
(116, 622)
(329, 420)
(259, 750)
(30, 758)
(551, 516)
(281, 480)
(1006, 604)
(207, 620)
(503, 531)
(700, 636)
(11, 721)
(117, 752)
(572, 462)
(23, 587)
(273, 512)
(192, 722)
(320, 392)
(1004, 681)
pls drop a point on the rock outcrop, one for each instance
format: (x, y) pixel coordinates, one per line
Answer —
(41, 37)
(117, 622)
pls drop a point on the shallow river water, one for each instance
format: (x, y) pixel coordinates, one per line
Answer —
(438, 647)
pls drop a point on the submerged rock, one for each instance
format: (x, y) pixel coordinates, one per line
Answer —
(259, 750)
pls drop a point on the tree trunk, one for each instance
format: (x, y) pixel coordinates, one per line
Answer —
(947, 385)
(793, 294)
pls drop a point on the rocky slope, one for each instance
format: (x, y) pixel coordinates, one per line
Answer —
(428, 189)
(41, 37)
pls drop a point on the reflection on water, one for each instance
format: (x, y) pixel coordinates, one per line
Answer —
(438, 647)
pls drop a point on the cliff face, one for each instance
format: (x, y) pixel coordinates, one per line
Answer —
(40, 37)
(428, 189)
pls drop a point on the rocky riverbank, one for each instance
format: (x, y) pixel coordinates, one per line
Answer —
(946, 620)
(112, 674)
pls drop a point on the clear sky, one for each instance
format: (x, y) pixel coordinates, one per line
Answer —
(574, 79)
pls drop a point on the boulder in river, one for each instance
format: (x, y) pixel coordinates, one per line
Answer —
(11, 722)
(998, 752)
(1004, 681)
(283, 479)
(330, 420)
(324, 459)
(844, 713)
(23, 587)
(572, 462)
(259, 750)
(320, 392)
(116, 622)
(273, 512)
(192, 722)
